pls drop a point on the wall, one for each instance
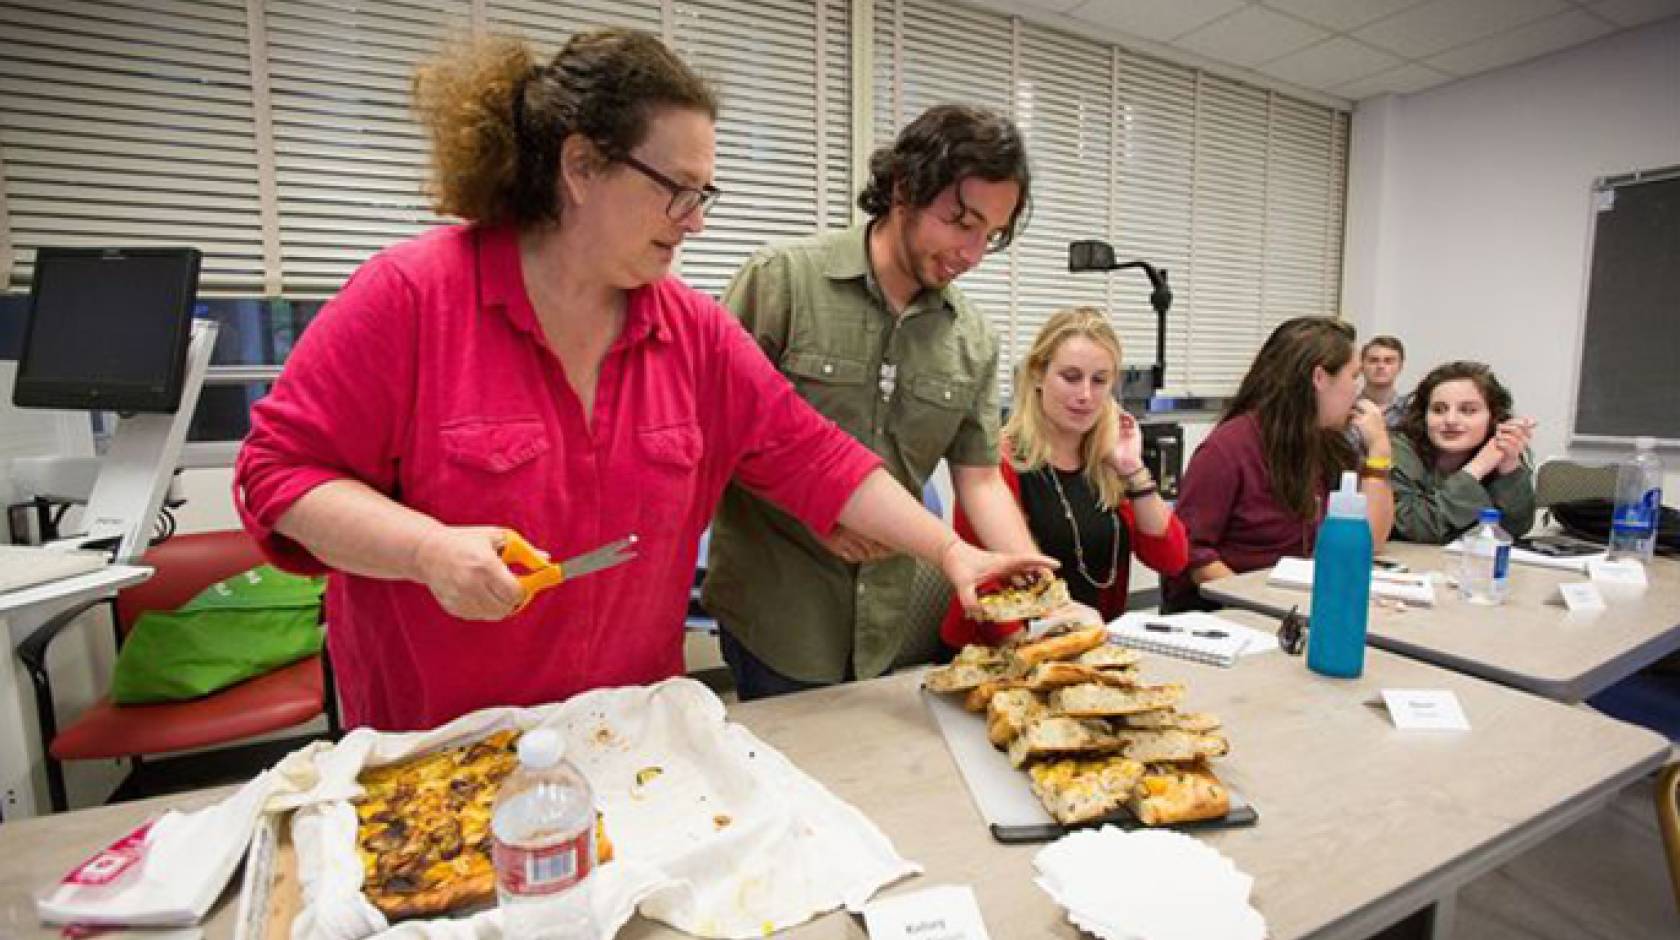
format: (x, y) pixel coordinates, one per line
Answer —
(1469, 217)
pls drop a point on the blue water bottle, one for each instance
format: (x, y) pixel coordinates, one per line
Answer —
(1341, 594)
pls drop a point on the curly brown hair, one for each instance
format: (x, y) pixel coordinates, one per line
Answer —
(1415, 423)
(497, 119)
(1301, 456)
(947, 144)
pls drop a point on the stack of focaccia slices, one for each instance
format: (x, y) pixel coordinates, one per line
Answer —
(1093, 737)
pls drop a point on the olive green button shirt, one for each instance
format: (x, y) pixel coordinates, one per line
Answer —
(1435, 508)
(913, 388)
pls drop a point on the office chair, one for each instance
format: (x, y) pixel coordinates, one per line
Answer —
(1668, 818)
(288, 696)
(924, 611)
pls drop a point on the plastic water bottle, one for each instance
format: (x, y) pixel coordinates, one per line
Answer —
(1341, 592)
(1633, 526)
(1484, 575)
(543, 827)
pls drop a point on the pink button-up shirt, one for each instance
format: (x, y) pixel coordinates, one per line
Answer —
(429, 379)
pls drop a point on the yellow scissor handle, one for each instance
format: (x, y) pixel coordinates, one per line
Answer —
(541, 573)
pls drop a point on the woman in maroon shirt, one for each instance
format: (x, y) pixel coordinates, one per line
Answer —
(1074, 460)
(1255, 489)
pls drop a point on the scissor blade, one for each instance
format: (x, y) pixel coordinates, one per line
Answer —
(607, 556)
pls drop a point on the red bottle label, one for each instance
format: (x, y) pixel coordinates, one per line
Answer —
(544, 869)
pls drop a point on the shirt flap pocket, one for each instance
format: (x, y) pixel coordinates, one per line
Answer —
(495, 445)
(821, 367)
(676, 445)
(943, 391)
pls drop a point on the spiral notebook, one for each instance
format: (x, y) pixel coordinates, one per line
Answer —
(1198, 637)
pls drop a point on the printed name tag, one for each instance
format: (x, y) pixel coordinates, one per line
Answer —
(1581, 596)
(1617, 574)
(948, 912)
(1425, 710)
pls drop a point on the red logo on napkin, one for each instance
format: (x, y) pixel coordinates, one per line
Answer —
(109, 865)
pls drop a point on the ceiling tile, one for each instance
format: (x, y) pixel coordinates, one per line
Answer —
(1153, 19)
(1405, 80)
(1526, 42)
(1342, 15)
(1440, 25)
(1333, 62)
(1637, 12)
(1251, 36)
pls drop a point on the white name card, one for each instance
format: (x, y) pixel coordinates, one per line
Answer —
(947, 912)
(1623, 576)
(1581, 597)
(1425, 710)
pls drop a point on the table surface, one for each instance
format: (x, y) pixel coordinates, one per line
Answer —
(1531, 642)
(1404, 817)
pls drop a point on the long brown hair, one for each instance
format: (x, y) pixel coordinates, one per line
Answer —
(497, 119)
(1029, 444)
(1415, 423)
(1301, 456)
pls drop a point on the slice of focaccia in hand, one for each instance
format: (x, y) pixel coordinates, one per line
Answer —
(1164, 718)
(1026, 595)
(1008, 713)
(1078, 790)
(1171, 744)
(1054, 647)
(1109, 656)
(1097, 700)
(1169, 794)
(1051, 735)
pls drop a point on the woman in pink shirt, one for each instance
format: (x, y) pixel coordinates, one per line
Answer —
(538, 369)
(1254, 491)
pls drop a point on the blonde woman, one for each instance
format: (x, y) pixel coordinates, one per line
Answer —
(1074, 460)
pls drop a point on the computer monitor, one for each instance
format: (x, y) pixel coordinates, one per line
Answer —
(108, 329)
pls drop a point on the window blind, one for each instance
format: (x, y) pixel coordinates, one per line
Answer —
(1238, 191)
(130, 123)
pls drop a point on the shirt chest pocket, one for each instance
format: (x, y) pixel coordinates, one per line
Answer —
(491, 473)
(931, 409)
(665, 476)
(837, 386)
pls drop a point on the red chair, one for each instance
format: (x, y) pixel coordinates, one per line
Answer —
(183, 566)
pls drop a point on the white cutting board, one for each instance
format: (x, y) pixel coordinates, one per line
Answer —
(1001, 793)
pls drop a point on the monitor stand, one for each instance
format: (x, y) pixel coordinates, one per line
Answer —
(135, 472)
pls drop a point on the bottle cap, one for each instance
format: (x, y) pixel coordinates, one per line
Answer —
(1488, 514)
(1348, 502)
(540, 749)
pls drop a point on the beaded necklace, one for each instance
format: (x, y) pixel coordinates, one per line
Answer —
(1079, 543)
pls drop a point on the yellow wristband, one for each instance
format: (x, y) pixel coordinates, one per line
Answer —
(1379, 463)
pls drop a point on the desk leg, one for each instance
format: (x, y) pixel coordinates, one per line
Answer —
(1441, 916)
(19, 747)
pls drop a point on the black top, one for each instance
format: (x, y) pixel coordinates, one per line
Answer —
(1098, 528)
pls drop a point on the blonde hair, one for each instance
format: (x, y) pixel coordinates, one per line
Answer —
(1026, 433)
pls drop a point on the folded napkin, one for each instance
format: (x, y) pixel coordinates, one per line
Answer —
(1148, 885)
(176, 868)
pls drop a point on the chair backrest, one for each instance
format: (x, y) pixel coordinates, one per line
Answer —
(183, 566)
(1668, 821)
(930, 597)
(1559, 480)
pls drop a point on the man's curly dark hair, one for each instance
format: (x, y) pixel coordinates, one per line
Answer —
(947, 144)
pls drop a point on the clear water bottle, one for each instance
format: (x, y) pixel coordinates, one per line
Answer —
(1484, 575)
(1341, 591)
(1633, 526)
(543, 827)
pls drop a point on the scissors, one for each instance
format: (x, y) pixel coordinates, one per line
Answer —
(541, 574)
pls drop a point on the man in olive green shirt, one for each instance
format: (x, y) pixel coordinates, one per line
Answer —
(869, 328)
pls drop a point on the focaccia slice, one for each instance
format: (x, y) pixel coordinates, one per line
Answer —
(1078, 790)
(1110, 656)
(1009, 712)
(1171, 745)
(1169, 793)
(1163, 718)
(1098, 700)
(1024, 596)
(981, 694)
(1053, 647)
(1050, 735)
(961, 676)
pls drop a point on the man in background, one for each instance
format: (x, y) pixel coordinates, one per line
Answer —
(1381, 362)
(868, 325)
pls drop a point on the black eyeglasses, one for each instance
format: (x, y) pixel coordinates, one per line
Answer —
(685, 200)
(1292, 633)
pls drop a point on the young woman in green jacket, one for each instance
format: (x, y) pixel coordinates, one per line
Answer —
(1460, 450)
